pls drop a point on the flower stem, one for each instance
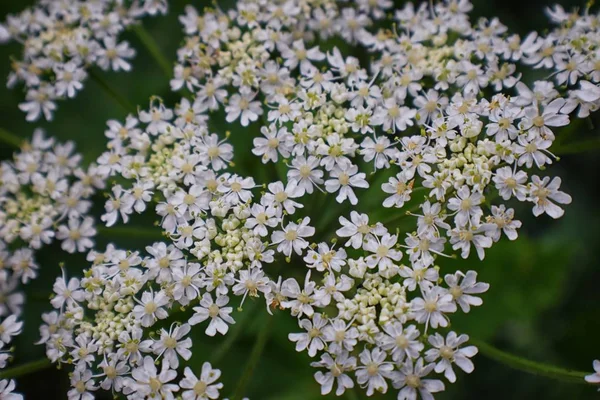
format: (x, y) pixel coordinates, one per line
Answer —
(130, 232)
(257, 350)
(351, 394)
(120, 99)
(150, 44)
(233, 336)
(578, 147)
(25, 369)
(531, 367)
(10, 138)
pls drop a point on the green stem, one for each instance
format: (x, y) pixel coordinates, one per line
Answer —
(578, 147)
(401, 215)
(129, 231)
(531, 367)
(120, 99)
(25, 369)
(150, 44)
(10, 138)
(351, 394)
(257, 350)
(232, 337)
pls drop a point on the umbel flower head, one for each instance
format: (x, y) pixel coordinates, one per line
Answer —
(221, 243)
(426, 145)
(63, 39)
(44, 196)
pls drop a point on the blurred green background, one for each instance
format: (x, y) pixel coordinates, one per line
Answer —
(543, 303)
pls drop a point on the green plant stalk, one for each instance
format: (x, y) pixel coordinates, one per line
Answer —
(119, 98)
(529, 366)
(233, 336)
(150, 44)
(351, 394)
(130, 232)
(257, 350)
(578, 147)
(25, 369)
(10, 138)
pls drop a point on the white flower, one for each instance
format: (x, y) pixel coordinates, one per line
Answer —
(432, 307)
(150, 308)
(305, 173)
(325, 258)
(297, 54)
(537, 123)
(511, 183)
(466, 204)
(392, 116)
(292, 237)
(10, 327)
(242, 104)
(340, 336)
(358, 229)
(503, 221)
(400, 189)
(187, 282)
(39, 102)
(132, 346)
(383, 251)
(374, 371)
(113, 56)
(76, 237)
(463, 293)
(448, 352)
(379, 150)
(216, 311)
(6, 390)
(344, 180)
(312, 339)
(203, 388)
(544, 193)
(399, 341)
(411, 381)
(82, 384)
(66, 292)
(147, 382)
(336, 373)
(275, 142)
(114, 372)
(463, 237)
(172, 344)
(302, 300)
(282, 196)
(217, 153)
(591, 378)
(251, 282)
(68, 79)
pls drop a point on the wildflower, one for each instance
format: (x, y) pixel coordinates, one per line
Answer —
(216, 311)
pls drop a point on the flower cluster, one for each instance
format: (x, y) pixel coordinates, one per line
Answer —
(11, 326)
(439, 110)
(62, 39)
(102, 323)
(220, 245)
(425, 113)
(44, 195)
